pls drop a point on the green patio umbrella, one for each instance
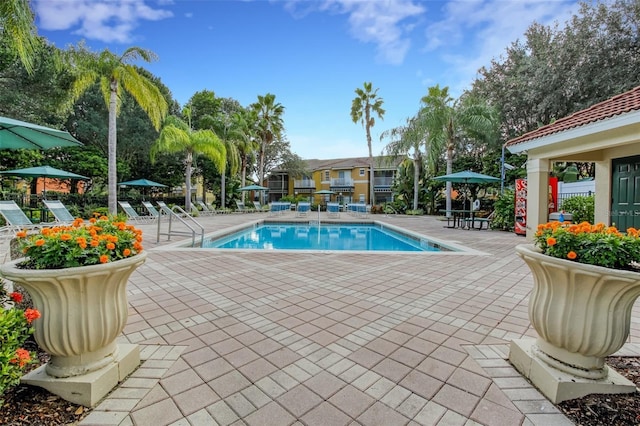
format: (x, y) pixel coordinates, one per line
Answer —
(143, 182)
(16, 134)
(44, 171)
(466, 177)
(253, 187)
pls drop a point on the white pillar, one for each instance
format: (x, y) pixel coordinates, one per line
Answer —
(537, 193)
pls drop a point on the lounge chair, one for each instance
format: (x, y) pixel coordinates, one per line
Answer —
(259, 208)
(279, 208)
(151, 209)
(242, 208)
(59, 211)
(133, 215)
(333, 209)
(206, 210)
(15, 218)
(303, 208)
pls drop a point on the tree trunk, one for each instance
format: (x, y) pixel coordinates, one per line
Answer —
(372, 199)
(112, 164)
(187, 197)
(223, 188)
(449, 171)
(416, 178)
(244, 175)
(263, 148)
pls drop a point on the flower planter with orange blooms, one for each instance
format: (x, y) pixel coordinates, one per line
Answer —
(77, 277)
(585, 282)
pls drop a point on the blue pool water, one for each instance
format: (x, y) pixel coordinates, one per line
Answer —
(297, 236)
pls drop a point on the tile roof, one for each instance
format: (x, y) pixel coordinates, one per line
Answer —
(620, 104)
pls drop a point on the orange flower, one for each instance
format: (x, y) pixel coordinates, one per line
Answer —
(551, 241)
(40, 242)
(110, 246)
(104, 258)
(31, 314)
(126, 252)
(21, 234)
(95, 243)
(65, 237)
(22, 357)
(572, 255)
(93, 220)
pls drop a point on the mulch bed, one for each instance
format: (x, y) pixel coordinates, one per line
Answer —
(27, 405)
(610, 410)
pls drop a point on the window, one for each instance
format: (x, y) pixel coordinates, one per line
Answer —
(361, 172)
(326, 175)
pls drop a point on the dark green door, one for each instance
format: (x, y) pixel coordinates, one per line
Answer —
(625, 200)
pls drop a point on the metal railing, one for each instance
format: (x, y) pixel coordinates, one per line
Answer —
(383, 181)
(304, 183)
(177, 213)
(341, 182)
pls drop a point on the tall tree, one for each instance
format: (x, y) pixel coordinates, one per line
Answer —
(269, 128)
(177, 136)
(116, 73)
(407, 140)
(451, 122)
(18, 31)
(364, 105)
(246, 142)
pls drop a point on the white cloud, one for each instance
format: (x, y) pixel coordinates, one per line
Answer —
(485, 28)
(385, 23)
(104, 20)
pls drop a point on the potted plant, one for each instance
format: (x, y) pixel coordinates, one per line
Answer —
(76, 276)
(586, 280)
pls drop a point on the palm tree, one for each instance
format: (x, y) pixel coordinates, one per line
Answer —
(366, 102)
(450, 121)
(19, 31)
(246, 143)
(225, 127)
(177, 136)
(407, 140)
(269, 127)
(114, 73)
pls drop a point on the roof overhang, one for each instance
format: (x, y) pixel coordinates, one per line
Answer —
(617, 131)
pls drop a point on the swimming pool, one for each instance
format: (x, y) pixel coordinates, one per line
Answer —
(329, 236)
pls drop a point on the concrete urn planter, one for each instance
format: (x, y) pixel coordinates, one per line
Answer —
(83, 309)
(581, 314)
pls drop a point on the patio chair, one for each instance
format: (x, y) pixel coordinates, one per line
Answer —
(303, 208)
(242, 208)
(206, 211)
(16, 219)
(151, 209)
(259, 208)
(133, 215)
(59, 211)
(333, 210)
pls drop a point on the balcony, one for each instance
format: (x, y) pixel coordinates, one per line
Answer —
(342, 182)
(383, 181)
(304, 184)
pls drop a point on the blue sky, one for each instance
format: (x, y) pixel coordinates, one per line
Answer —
(312, 54)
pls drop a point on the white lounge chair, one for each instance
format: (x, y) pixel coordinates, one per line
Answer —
(60, 212)
(333, 209)
(206, 210)
(303, 208)
(16, 219)
(133, 215)
(151, 209)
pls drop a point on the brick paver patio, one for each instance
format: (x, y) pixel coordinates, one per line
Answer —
(282, 338)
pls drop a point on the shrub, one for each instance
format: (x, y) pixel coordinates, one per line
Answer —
(15, 329)
(581, 207)
(504, 211)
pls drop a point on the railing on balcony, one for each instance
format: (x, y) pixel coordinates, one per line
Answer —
(383, 181)
(344, 182)
(304, 183)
